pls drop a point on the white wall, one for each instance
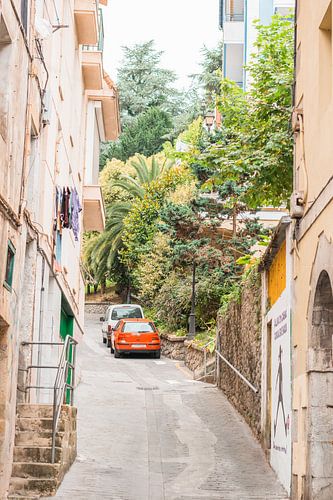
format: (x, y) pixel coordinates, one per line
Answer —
(279, 316)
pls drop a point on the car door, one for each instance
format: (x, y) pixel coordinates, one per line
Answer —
(105, 322)
(114, 328)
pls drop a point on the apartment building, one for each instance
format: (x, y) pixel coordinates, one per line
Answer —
(239, 33)
(56, 105)
(312, 208)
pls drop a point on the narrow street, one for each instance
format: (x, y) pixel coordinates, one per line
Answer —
(147, 431)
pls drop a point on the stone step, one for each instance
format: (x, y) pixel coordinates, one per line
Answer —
(20, 486)
(31, 438)
(34, 411)
(38, 454)
(16, 496)
(37, 424)
(35, 470)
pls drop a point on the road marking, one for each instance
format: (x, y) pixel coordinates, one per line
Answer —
(160, 362)
(173, 382)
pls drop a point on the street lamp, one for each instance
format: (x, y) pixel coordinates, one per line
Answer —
(209, 120)
(191, 319)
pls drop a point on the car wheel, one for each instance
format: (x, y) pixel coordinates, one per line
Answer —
(116, 353)
(104, 340)
(157, 354)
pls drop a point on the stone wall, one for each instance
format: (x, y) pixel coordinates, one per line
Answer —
(195, 357)
(239, 340)
(173, 347)
(96, 307)
(184, 350)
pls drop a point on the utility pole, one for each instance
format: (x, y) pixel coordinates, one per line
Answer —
(191, 319)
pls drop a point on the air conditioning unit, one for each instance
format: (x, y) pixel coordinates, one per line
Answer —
(297, 205)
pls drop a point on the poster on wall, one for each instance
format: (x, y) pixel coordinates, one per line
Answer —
(281, 391)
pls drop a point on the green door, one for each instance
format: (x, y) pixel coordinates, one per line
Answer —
(67, 328)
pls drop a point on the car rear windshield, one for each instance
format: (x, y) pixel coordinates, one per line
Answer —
(138, 327)
(126, 312)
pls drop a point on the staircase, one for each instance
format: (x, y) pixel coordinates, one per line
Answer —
(33, 474)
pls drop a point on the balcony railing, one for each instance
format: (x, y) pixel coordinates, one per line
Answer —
(234, 10)
(100, 44)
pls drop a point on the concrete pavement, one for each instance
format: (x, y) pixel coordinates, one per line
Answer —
(146, 431)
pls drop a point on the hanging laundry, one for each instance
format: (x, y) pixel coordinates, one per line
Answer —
(75, 210)
(57, 210)
(65, 207)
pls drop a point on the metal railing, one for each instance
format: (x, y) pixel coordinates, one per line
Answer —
(63, 388)
(65, 381)
(254, 389)
(205, 360)
(100, 44)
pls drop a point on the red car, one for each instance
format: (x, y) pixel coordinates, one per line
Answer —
(135, 335)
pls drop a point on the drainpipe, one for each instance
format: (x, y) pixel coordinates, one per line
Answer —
(40, 327)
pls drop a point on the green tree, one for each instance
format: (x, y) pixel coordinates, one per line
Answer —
(209, 78)
(101, 253)
(142, 83)
(255, 145)
(145, 134)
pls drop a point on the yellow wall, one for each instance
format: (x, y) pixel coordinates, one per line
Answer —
(277, 275)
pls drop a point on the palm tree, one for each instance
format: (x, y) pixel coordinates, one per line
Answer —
(100, 253)
(147, 170)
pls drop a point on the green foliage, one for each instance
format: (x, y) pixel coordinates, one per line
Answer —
(101, 254)
(143, 84)
(255, 145)
(152, 268)
(111, 173)
(145, 134)
(139, 225)
(210, 76)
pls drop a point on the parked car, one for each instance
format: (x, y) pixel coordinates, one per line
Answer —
(116, 312)
(135, 335)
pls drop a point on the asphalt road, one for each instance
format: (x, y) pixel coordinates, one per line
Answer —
(146, 431)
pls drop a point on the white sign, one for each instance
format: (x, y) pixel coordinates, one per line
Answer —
(281, 391)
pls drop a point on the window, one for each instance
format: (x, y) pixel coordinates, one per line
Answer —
(234, 10)
(234, 62)
(137, 327)
(9, 266)
(126, 312)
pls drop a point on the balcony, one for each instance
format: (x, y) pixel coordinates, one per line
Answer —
(92, 67)
(93, 209)
(86, 20)
(109, 99)
(92, 59)
(234, 11)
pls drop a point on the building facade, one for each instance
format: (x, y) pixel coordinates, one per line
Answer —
(276, 414)
(56, 106)
(312, 207)
(239, 33)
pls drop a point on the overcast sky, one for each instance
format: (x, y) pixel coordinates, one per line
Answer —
(179, 27)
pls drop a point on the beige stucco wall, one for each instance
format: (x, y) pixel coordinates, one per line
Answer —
(313, 246)
(38, 151)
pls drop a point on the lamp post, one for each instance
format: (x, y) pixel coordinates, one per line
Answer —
(209, 120)
(191, 319)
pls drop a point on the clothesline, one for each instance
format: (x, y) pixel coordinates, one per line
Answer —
(67, 209)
